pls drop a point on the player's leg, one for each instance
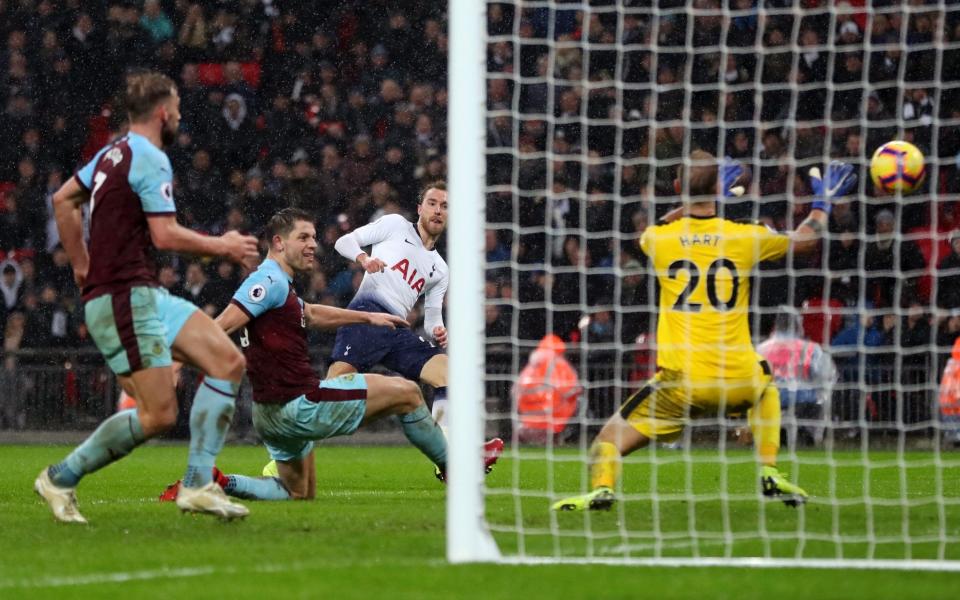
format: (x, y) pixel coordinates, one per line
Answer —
(203, 344)
(128, 394)
(656, 411)
(338, 368)
(434, 374)
(397, 396)
(128, 331)
(292, 482)
(299, 476)
(420, 360)
(764, 420)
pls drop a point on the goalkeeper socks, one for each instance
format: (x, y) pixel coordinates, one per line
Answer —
(765, 425)
(424, 433)
(256, 488)
(115, 438)
(605, 464)
(210, 417)
(440, 407)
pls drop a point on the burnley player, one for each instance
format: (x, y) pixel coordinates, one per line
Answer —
(403, 265)
(293, 408)
(129, 185)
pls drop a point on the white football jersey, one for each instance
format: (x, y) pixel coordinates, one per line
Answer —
(411, 269)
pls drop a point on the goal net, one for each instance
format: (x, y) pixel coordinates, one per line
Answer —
(581, 113)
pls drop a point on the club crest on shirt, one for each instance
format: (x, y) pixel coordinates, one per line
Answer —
(114, 155)
(257, 293)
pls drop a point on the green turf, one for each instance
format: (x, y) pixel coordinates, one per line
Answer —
(377, 530)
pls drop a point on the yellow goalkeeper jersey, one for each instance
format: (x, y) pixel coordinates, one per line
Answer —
(703, 265)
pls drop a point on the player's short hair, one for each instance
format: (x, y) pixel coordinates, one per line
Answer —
(144, 91)
(433, 185)
(701, 176)
(283, 222)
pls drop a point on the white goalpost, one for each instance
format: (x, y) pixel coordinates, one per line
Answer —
(468, 539)
(567, 121)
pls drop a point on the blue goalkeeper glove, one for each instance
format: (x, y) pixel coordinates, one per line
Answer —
(840, 180)
(731, 171)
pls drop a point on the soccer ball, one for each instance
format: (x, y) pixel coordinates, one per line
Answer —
(897, 166)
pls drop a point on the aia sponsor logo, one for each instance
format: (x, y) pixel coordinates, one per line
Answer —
(409, 275)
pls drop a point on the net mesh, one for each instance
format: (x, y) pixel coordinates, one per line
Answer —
(591, 107)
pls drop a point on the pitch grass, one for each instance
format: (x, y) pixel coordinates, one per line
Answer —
(707, 503)
(376, 530)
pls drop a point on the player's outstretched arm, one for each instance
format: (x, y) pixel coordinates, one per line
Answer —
(232, 319)
(840, 179)
(67, 212)
(167, 234)
(321, 316)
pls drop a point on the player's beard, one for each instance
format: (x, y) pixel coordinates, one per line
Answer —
(434, 229)
(168, 134)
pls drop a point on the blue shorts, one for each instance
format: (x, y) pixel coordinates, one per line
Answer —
(400, 350)
(174, 311)
(289, 430)
(128, 329)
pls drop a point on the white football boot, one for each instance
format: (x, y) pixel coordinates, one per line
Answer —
(62, 501)
(210, 499)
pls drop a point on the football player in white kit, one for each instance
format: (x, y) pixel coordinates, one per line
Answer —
(402, 265)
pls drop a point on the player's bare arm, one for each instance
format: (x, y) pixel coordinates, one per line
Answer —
(321, 316)
(232, 319)
(167, 234)
(67, 203)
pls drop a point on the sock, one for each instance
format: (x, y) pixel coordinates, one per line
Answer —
(210, 417)
(115, 438)
(764, 420)
(256, 488)
(440, 407)
(424, 433)
(605, 463)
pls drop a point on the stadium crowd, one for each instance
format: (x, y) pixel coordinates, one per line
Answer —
(339, 108)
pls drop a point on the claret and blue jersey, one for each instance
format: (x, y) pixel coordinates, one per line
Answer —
(132, 322)
(274, 341)
(129, 181)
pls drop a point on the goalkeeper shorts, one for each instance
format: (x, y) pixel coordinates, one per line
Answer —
(662, 407)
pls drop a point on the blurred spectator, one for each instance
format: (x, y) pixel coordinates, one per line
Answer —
(156, 22)
(194, 33)
(892, 264)
(236, 134)
(203, 192)
(948, 275)
(219, 290)
(47, 321)
(196, 288)
(11, 279)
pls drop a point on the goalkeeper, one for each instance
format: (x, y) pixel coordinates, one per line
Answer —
(706, 361)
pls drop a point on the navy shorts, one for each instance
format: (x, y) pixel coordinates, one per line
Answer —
(364, 346)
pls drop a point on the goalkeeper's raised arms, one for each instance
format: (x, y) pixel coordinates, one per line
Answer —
(840, 180)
